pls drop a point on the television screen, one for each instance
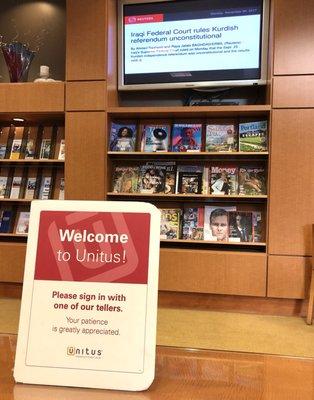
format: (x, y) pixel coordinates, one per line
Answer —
(192, 43)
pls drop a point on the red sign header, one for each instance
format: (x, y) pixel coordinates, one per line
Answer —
(93, 247)
(143, 19)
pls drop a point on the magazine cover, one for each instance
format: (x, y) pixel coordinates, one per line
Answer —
(16, 187)
(216, 223)
(122, 137)
(61, 155)
(22, 223)
(187, 137)
(152, 178)
(30, 188)
(193, 223)
(6, 221)
(170, 223)
(221, 137)
(252, 181)
(45, 188)
(16, 149)
(224, 180)
(45, 149)
(30, 149)
(4, 135)
(61, 189)
(3, 186)
(240, 226)
(170, 182)
(253, 136)
(155, 138)
(257, 226)
(125, 179)
(189, 179)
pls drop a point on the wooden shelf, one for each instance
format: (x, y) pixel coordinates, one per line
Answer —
(205, 242)
(187, 154)
(14, 235)
(188, 112)
(16, 200)
(184, 196)
(31, 161)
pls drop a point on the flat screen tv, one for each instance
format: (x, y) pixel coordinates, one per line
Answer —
(192, 43)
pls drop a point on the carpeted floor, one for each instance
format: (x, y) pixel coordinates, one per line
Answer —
(213, 330)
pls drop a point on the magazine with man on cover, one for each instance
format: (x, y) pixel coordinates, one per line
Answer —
(187, 137)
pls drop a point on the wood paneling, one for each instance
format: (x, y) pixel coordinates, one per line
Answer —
(85, 96)
(213, 272)
(86, 40)
(288, 277)
(11, 290)
(291, 210)
(287, 89)
(294, 37)
(12, 256)
(112, 59)
(218, 302)
(185, 374)
(85, 166)
(32, 97)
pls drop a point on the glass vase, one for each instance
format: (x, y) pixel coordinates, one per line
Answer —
(18, 58)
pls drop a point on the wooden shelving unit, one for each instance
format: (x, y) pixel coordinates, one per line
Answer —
(277, 267)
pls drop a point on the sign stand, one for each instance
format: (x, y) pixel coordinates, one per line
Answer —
(89, 304)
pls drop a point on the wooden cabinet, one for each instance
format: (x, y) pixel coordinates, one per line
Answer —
(203, 271)
(288, 277)
(293, 37)
(291, 211)
(287, 90)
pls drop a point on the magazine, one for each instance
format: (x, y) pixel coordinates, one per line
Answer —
(125, 179)
(189, 179)
(61, 155)
(4, 135)
(3, 186)
(152, 178)
(240, 226)
(6, 221)
(155, 138)
(253, 136)
(22, 223)
(257, 226)
(45, 188)
(16, 149)
(221, 137)
(193, 223)
(170, 223)
(216, 223)
(252, 181)
(16, 187)
(224, 180)
(45, 149)
(61, 189)
(122, 137)
(187, 137)
(30, 188)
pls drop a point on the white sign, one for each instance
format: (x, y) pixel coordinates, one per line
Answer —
(89, 304)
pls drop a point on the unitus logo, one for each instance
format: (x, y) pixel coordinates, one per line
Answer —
(83, 352)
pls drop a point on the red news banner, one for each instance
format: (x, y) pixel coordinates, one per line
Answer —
(91, 274)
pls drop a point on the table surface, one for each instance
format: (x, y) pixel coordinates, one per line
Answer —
(185, 374)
